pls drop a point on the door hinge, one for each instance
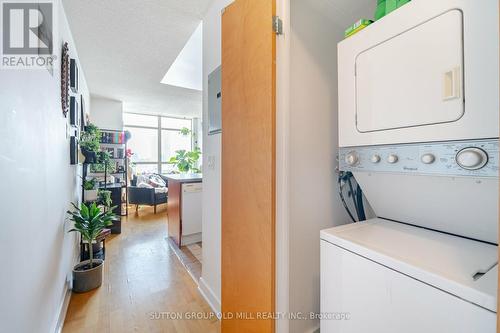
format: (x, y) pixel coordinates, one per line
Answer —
(277, 25)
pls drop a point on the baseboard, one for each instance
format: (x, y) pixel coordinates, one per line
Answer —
(63, 309)
(315, 330)
(209, 296)
(191, 239)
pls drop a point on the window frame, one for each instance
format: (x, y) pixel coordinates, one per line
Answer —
(159, 129)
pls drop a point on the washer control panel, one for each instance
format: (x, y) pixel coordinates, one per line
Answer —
(478, 158)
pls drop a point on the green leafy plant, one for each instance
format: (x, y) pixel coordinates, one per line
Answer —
(89, 221)
(103, 160)
(186, 161)
(90, 138)
(104, 157)
(185, 131)
(104, 197)
(89, 184)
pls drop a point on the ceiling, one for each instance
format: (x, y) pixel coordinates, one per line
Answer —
(127, 46)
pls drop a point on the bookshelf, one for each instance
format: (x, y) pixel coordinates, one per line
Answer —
(114, 178)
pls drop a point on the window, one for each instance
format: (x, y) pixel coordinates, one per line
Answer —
(144, 144)
(146, 168)
(140, 120)
(155, 139)
(175, 123)
(171, 141)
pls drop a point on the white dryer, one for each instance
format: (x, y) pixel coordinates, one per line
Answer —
(418, 129)
(426, 72)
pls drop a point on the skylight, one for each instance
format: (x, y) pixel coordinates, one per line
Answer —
(186, 70)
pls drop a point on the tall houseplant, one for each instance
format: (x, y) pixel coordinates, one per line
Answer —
(89, 221)
(186, 161)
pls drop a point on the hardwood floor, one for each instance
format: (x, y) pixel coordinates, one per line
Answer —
(144, 284)
(189, 259)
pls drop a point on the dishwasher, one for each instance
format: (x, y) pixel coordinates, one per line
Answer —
(191, 212)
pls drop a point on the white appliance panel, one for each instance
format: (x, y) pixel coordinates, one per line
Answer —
(480, 74)
(449, 186)
(191, 208)
(413, 79)
(464, 206)
(381, 300)
(471, 158)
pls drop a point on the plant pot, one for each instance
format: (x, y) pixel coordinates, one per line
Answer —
(96, 247)
(90, 156)
(96, 250)
(116, 228)
(86, 279)
(81, 157)
(90, 195)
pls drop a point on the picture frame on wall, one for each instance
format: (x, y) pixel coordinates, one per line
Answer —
(83, 122)
(74, 111)
(73, 75)
(73, 150)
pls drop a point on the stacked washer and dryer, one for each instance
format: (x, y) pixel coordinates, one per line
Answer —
(418, 129)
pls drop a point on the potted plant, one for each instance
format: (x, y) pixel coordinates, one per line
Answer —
(90, 190)
(104, 198)
(89, 221)
(103, 162)
(185, 131)
(186, 161)
(90, 143)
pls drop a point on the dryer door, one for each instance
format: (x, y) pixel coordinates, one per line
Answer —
(414, 78)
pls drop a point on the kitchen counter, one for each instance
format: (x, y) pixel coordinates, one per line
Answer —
(191, 177)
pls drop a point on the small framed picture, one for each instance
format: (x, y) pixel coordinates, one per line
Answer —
(83, 123)
(74, 111)
(73, 75)
(73, 150)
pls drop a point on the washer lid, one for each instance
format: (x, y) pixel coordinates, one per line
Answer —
(462, 267)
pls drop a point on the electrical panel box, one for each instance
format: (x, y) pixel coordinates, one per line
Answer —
(214, 102)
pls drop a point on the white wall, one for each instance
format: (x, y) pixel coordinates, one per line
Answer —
(107, 113)
(313, 204)
(210, 282)
(38, 184)
(312, 144)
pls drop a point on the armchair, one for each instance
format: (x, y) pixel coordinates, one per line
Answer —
(149, 196)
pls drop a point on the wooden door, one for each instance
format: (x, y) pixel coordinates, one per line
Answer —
(248, 166)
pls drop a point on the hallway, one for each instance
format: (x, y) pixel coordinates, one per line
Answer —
(143, 284)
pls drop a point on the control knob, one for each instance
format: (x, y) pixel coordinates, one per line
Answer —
(352, 158)
(428, 158)
(392, 158)
(471, 158)
(375, 158)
